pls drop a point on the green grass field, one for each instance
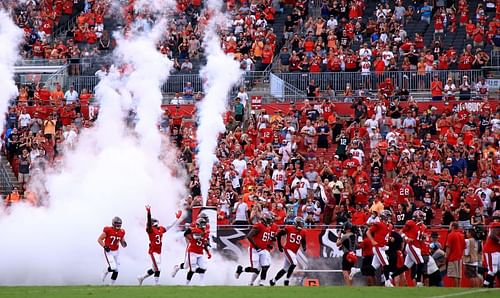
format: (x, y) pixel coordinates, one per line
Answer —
(240, 292)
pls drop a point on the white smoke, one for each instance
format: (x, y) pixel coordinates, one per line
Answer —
(10, 38)
(220, 73)
(112, 172)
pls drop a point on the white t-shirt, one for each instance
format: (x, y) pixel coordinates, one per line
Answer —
(387, 56)
(243, 96)
(24, 119)
(241, 211)
(370, 125)
(71, 96)
(239, 166)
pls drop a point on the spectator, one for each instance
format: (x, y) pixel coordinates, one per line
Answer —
(71, 96)
(455, 246)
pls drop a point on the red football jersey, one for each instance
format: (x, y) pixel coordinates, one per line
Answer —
(199, 239)
(113, 237)
(155, 239)
(379, 231)
(263, 235)
(294, 238)
(491, 246)
(416, 232)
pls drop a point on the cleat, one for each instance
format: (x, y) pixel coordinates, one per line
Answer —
(261, 283)
(286, 283)
(420, 284)
(176, 269)
(388, 284)
(140, 279)
(272, 283)
(354, 271)
(239, 270)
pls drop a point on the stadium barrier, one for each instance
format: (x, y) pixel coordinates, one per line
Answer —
(323, 259)
(411, 80)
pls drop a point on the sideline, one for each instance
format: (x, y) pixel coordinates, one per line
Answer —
(466, 293)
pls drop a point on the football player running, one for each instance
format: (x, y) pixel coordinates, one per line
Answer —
(295, 237)
(260, 245)
(414, 233)
(183, 265)
(378, 234)
(110, 239)
(198, 244)
(491, 251)
(155, 234)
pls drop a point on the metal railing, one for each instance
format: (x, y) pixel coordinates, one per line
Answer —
(410, 80)
(41, 62)
(6, 184)
(495, 58)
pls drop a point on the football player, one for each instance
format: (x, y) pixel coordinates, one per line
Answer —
(414, 233)
(155, 234)
(295, 237)
(110, 239)
(491, 251)
(378, 234)
(198, 245)
(260, 245)
(193, 225)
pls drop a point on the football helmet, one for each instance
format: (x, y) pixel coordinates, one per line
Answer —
(201, 222)
(418, 215)
(204, 216)
(385, 215)
(116, 222)
(299, 222)
(267, 218)
(155, 222)
(496, 215)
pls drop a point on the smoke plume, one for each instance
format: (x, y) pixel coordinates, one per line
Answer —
(10, 38)
(220, 73)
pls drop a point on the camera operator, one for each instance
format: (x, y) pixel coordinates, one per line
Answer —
(347, 242)
(472, 256)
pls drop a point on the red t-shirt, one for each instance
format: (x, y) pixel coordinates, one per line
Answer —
(456, 244)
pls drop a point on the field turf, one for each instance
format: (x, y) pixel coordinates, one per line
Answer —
(240, 292)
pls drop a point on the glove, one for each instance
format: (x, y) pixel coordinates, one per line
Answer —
(148, 208)
(209, 255)
(178, 214)
(106, 249)
(280, 248)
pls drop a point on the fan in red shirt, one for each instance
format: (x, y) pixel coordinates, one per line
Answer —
(455, 245)
(110, 239)
(155, 234)
(491, 250)
(260, 244)
(295, 237)
(377, 233)
(414, 234)
(350, 164)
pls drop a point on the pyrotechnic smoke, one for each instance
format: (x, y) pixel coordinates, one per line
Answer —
(220, 73)
(112, 172)
(10, 38)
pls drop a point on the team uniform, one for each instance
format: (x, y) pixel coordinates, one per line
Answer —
(414, 234)
(259, 255)
(110, 239)
(261, 239)
(295, 237)
(491, 253)
(379, 234)
(155, 234)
